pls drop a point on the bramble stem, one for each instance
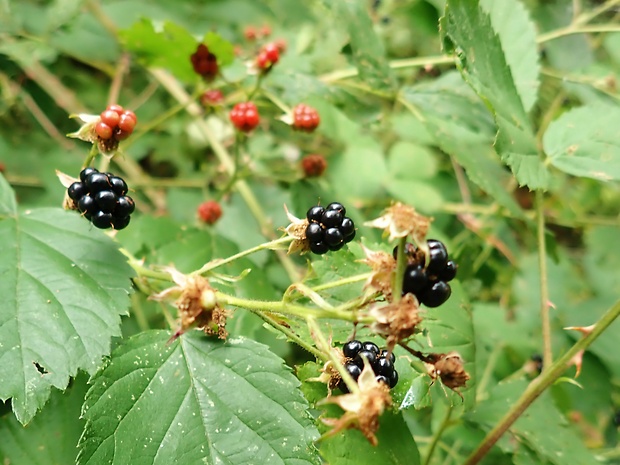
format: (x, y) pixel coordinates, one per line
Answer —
(401, 260)
(544, 285)
(317, 334)
(342, 282)
(290, 334)
(538, 385)
(437, 436)
(286, 308)
(271, 245)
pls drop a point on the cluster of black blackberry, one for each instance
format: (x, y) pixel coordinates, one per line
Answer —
(428, 283)
(102, 199)
(329, 228)
(383, 366)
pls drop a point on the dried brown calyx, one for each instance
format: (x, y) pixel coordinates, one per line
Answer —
(450, 368)
(400, 220)
(197, 304)
(362, 409)
(397, 321)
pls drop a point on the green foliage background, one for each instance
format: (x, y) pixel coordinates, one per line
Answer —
(461, 111)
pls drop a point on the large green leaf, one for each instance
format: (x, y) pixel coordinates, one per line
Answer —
(541, 427)
(170, 46)
(196, 401)
(586, 142)
(52, 437)
(396, 445)
(483, 64)
(462, 127)
(64, 285)
(368, 50)
(517, 35)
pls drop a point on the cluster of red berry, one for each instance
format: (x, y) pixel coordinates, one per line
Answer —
(116, 124)
(204, 62)
(268, 56)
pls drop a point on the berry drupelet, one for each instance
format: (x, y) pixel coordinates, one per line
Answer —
(428, 281)
(244, 116)
(305, 118)
(383, 365)
(328, 228)
(101, 198)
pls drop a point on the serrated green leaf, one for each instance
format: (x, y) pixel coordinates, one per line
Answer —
(450, 327)
(221, 48)
(396, 445)
(8, 206)
(52, 437)
(582, 144)
(463, 128)
(64, 286)
(170, 46)
(418, 395)
(367, 47)
(517, 34)
(196, 401)
(541, 427)
(481, 60)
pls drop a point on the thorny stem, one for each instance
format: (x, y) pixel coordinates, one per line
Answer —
(444, 424)
(223, 261)
(317, 334)
(290, 334)
(538, 385)
(142, 270)
(342, 282)
(552, 35)
(544, 285)
(401, 260)
(177, 91)
(286, 308)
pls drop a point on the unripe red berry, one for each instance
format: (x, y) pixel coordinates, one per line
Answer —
(244, 116)
(209, 212)
(267, 57)
(305, 118)
(103, 130)
(313, 165)
(281, 45)
(212, 97)
(265, 31)
(250, 33)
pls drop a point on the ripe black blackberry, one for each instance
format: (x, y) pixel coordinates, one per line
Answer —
(428, 281)
(101, 198)
(328, 228)
(382, 365)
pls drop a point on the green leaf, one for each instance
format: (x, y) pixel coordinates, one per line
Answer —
(541, 427)
(418, 396)
(396, 445)
(64, 285)
(517, 35)
(170, 46)
(8, 206)
(52, 437)
(581, 144)
(450, 327)
(196, 401)
(463, 128)
(368, 50)
(481, 60)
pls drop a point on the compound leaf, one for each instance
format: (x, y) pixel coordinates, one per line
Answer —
(368, 50)
(582, 144)
(52, 437)
(64, 285)
(541, 427)
(196, 401)
(396, 445)
(481, 59)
